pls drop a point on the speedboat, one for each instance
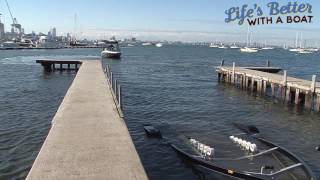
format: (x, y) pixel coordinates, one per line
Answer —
(146, 44)
(158, 45)
(112, 50)
(249, 50)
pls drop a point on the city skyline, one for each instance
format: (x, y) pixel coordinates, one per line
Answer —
(166, 20)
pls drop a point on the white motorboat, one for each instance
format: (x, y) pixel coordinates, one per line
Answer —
(159, 45)
(249, 50)
(304, 51)
(112, 50)
(146, 44)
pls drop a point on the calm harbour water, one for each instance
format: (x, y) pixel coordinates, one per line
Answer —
(173, 86)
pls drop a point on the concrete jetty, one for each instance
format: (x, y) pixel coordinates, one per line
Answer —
(289, 89)
(88, 139)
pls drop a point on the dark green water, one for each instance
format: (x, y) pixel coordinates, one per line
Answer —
(172, 86)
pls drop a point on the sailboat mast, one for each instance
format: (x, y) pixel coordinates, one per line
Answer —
(248, 36)
(297, 36)
(300, 39)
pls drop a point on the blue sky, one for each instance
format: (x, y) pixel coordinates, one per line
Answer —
(188, 20)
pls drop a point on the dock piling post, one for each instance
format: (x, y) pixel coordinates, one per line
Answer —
(296, 99)
(111, 79)
(288, 94)
(272, 89)
(247, 82)
(222, 63)
(68, 66)
(308, 100)
(233, 73)
(268, 63)
(119, 97)
(313, 83)
(264, 87)
(318, 103)
(61, 66)
(284, 78)
(115, 88)
(252, 84)
(219, 76)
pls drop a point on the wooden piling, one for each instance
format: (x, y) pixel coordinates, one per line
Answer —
(119, 97)
(317, 108)
(222, 63)
(233, 73)
(284, 78)
(308, 100)
(297, 96)
(272, 89)
(264, 87)
(313, 83)
(268, 63)
(247, 82)
(219, 77)
(252, 84)
(288, 94)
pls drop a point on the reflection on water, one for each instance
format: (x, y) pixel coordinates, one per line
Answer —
(173, 86)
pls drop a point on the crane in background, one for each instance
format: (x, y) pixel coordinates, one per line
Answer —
(15, 26)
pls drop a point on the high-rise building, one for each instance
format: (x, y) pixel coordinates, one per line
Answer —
(2, 33)
(54, 32)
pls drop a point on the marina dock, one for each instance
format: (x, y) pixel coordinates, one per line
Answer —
(289, 89)
(88, 138)
(51, 64)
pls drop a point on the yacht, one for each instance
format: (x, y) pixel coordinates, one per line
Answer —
(249, 50)
(234, 46)
(266, 47)
(112, 50)
(213, 45)
(222, 46)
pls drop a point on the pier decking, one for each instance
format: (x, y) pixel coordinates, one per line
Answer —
(50, 64)
(88, 139)
(287, 88)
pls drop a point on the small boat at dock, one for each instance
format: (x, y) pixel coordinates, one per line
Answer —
(112, 50)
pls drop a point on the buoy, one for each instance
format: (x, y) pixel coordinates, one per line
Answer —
(318, 148)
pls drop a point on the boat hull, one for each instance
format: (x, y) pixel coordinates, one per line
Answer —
(112, 55)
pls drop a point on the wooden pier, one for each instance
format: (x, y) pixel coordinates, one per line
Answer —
(51, 65)
(289, 89)
(88, 138)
